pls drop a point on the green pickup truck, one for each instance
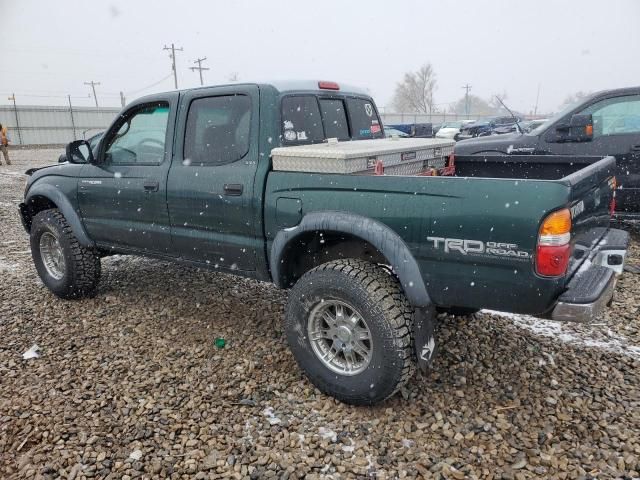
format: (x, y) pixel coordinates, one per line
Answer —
(369, 259)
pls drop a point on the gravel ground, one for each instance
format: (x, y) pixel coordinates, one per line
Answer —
(130, 384)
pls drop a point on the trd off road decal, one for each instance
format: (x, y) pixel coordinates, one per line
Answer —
(478, 247)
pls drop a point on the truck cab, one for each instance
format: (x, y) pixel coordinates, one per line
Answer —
(613, 118)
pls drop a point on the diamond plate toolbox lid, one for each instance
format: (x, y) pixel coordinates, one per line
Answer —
(361, 155)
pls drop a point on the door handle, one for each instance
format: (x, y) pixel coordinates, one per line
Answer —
(151, 186)
(233, 189)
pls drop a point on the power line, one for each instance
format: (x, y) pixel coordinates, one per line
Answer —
(149, 86)
(172, 56)
(200, 68)
(93, 87)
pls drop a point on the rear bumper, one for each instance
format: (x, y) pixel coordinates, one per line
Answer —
(587, 296)
(590, 291)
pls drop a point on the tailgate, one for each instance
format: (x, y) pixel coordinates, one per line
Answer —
(591, 197)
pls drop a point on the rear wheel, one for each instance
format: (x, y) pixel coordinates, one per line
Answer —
(348, 325)
(67, 268)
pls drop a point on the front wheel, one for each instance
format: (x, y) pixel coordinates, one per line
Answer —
(67, 268)
(349, 325)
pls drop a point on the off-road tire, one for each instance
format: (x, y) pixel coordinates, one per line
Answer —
(82, 266)
(376, 294)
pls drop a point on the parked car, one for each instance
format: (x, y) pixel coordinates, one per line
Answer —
(489, 126)
(529, 125)
(452, 129)
(187, 176)
(605, 123)
(394, 132)
(418, 130)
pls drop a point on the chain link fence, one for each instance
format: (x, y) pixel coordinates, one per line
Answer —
(399, 118)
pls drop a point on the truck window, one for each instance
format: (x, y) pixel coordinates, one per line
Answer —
(334, 118)
(140, 137)
(364, 119)
(217, 130)
(614, 116)
(301, 121)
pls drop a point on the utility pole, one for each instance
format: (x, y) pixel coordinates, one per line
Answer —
(15, 110)
(535, 110)
(93, 87)
(467, 87)
(73, 123)
(172, 56)
(200, 68)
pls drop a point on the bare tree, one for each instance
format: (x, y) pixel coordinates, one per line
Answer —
(574, 98)
(415, 93)
(477, 106)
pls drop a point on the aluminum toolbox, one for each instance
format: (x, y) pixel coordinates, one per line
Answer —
(399, 156)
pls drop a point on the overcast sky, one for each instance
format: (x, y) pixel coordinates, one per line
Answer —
(51, 48)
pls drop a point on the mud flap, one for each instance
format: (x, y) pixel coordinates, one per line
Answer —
(424, 323)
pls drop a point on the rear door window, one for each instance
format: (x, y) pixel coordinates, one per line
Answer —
(301, 121)
(334, 117)
(364, 119)
(217, 130)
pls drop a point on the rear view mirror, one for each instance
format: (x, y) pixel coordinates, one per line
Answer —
(579, 129)
(79, 151)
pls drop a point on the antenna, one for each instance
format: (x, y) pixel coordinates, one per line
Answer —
(510, 112)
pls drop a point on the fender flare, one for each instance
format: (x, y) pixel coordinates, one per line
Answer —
(383, 238)
(65, 207)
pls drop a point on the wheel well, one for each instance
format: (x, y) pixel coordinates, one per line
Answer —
(311, 249)
(35, 205)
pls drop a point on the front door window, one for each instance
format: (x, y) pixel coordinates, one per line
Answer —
(615, 116)
(140, 138)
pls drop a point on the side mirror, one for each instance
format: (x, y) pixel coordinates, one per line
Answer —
(579, 129)
(79, 151)
(62, 158)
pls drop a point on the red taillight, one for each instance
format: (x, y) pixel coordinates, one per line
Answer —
(554, 244)
(552, 261)
(328, 85)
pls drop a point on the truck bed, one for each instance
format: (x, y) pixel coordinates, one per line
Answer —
(479, 206)
(533, 167)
